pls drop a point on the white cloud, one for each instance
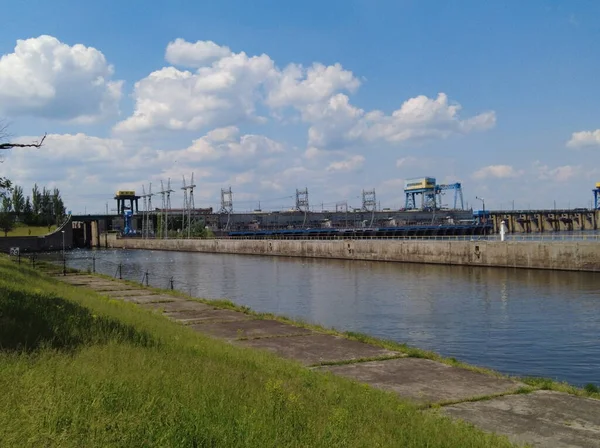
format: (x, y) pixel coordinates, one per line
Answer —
(222, 94)
(89, 169)
(298, 87)
(559, 174)
(47, 78)
(225, 143)
(407, 161)
(231, 88)
(496, 171)
(337, 123)
(393, 184)
(584, 138)
(226, 88)
(352, 163)
(198, 54)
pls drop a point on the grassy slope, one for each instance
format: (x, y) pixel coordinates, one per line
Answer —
(80, 370)
(23, 230)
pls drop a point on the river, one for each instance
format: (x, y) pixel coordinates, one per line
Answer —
(517, 321)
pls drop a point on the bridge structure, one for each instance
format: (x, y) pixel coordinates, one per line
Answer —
(544, 221)
(91, 230)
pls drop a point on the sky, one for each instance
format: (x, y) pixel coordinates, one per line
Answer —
(333, 96)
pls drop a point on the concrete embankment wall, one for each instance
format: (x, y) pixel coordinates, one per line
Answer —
(573, 256)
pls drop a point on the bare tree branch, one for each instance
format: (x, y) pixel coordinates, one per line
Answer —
(23, 145)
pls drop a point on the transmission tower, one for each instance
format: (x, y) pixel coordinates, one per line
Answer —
(342, 207)
(162, 213)
(226, 204)
(191, 207)
(188, 206)
(144, 211)
(149, 221)
(185, 206)
(167, 207)
(302, 204)
(369, 203)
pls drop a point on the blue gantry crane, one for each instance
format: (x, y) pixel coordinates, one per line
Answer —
(430, 194)
(458, 195)
(423, 187)
(596, 192)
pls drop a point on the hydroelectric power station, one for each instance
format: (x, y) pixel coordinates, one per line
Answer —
(430, 209)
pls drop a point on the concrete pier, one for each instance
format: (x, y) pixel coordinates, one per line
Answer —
(553, 255)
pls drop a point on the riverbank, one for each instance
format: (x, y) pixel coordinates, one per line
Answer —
(525, 413)
(80, 367)
(549, 255)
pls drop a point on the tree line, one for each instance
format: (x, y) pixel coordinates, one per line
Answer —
(43, 207)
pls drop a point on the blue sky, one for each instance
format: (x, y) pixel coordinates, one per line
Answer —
(523, 73)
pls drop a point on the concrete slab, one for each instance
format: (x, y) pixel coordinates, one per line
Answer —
(153, 298)
(177, 305)
(318, 348)
(198, 316)
(541, 419)
(251, 329)
(214, 315)
(107, 287)
(76, 279)
(129, 293)
(423, 380)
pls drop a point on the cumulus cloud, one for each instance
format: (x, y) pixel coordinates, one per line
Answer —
(86, 169)
(584, 138)
(406, 161)
(336, 122)
(89, 169)
(496, 171)
(352, 163)
(558, 174)
(297, 87)
(223, 93)
(226, 88)
(225, 143)
(198, 54)
(47, 78)
(229, 88)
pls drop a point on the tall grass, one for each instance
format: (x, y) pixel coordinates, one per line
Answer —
(25, 230)
(80, 370)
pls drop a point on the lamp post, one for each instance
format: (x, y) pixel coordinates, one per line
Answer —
(483, 220)
(482, 202)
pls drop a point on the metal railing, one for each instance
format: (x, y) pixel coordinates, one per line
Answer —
(531, 237)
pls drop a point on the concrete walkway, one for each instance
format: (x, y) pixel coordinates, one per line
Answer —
(541, 418)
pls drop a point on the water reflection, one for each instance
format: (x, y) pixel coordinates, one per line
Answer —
(523, 322)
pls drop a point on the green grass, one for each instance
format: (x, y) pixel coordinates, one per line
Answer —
(78, 369)
(531, 383)
(23, 230)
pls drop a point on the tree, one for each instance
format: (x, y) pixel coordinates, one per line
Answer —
(7, 145)
(46, 206)
(7, 222)
(27, 212)
(18, 200)
(5, 184)
(7, 205)
(7, 219)
(58, 208)
(36, 200)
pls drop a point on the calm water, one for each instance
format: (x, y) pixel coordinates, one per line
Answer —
(522, 322)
